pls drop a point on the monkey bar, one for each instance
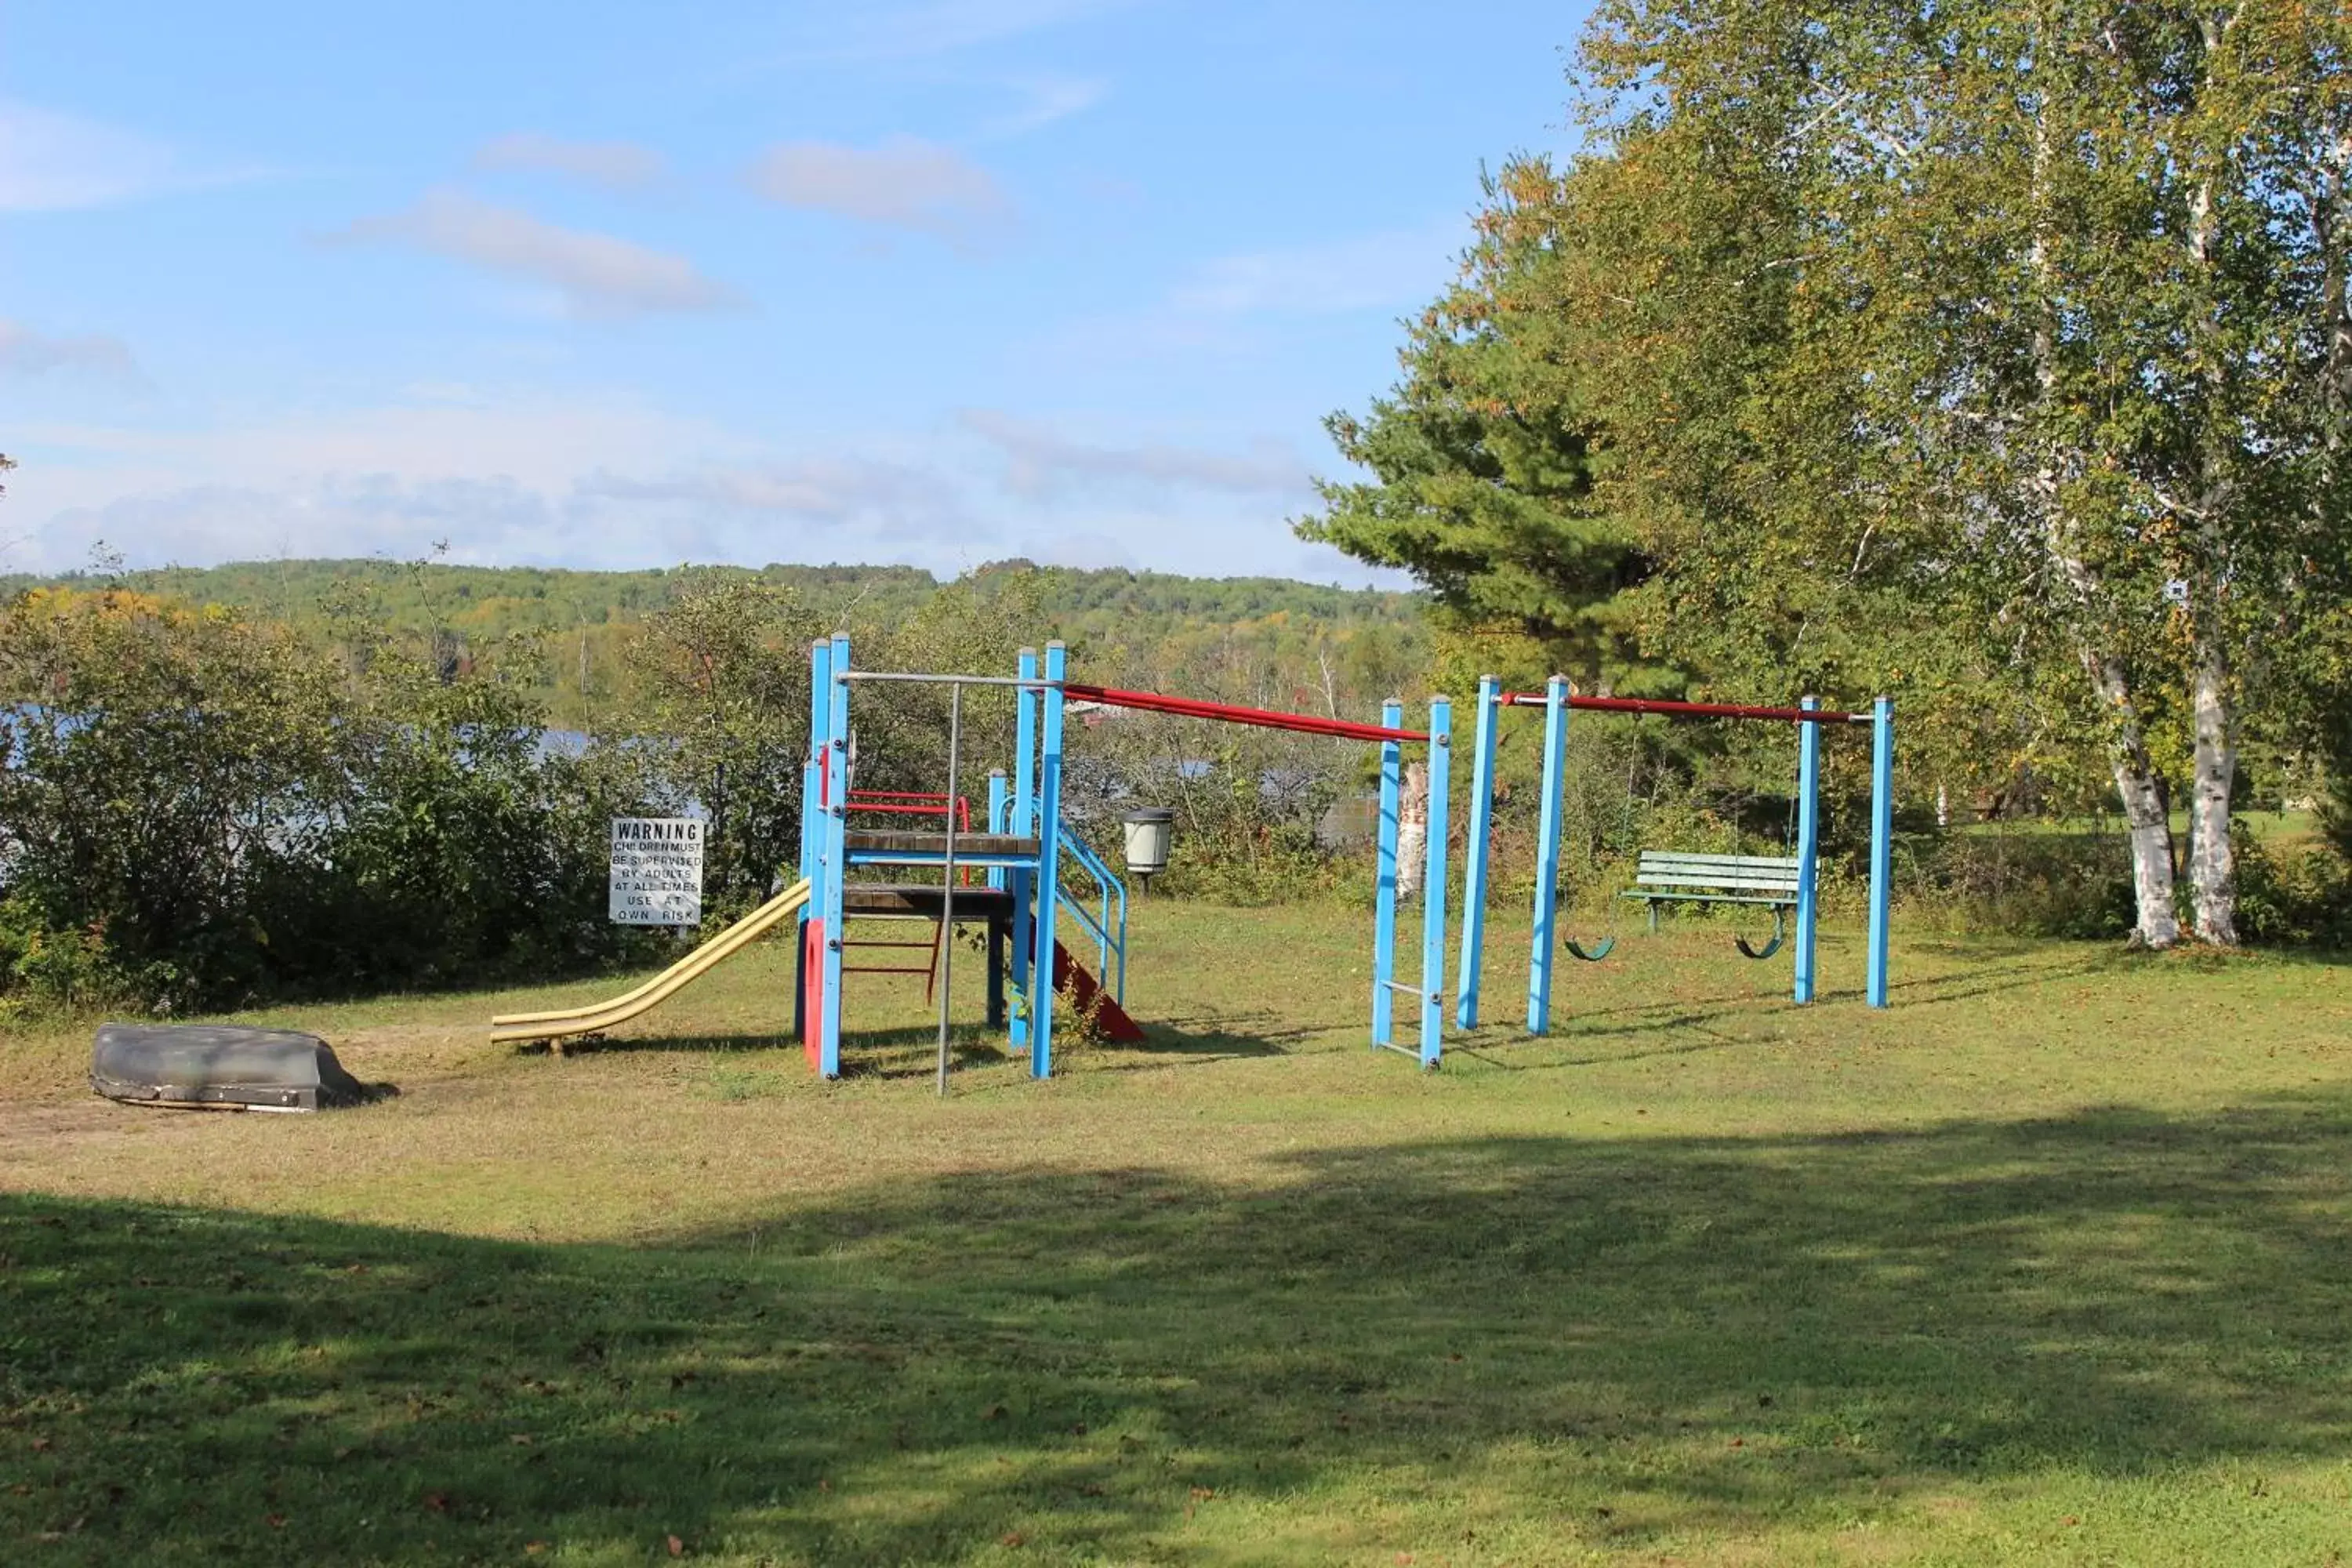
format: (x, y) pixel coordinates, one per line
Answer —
(1429, 992)
(1676, 710)
(1233, 713)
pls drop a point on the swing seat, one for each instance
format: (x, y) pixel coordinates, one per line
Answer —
(1599, 951)
(1779, 934)
(1672, 877)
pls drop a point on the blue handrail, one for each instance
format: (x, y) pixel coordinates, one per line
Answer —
(1109, 953)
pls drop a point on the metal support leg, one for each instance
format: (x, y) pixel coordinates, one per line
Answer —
(1433, 908)
(1545, 947)
(1021, 818)
(1384, 886)
(1881, 842)
(1049, 831)
(834, 857)
(998, 938)
(1808, 850)
(1476, 853)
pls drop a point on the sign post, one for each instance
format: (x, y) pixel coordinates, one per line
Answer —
(656, 871)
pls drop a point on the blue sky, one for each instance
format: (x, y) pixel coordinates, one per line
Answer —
(626, 285)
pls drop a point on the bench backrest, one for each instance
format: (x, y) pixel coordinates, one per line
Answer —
(1730, 873)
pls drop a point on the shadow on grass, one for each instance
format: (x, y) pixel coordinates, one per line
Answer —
(1709, 1016)
(1608, 1341)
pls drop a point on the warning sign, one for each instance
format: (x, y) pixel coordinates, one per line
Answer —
(657, 878)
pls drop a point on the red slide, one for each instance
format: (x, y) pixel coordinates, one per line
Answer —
(1086, 993)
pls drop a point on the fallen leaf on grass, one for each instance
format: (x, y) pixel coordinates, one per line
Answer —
(533, 1548)
(436, 1502)
(677, 1547)
(274, 1521)
(1011, 1537)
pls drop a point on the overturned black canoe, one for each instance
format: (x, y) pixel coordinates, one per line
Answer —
(216, 1067)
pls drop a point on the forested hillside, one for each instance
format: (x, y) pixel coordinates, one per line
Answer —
(577, 625)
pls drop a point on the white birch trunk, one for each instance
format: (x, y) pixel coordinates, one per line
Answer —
(2151, 831)
(1413, 831)
(2212, 862)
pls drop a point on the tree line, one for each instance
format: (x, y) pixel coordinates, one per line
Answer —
(582, 624)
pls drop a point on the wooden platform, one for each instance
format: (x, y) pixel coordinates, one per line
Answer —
(921, 900)
(919, 846)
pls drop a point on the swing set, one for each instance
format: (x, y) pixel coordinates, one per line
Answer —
(1785, 884)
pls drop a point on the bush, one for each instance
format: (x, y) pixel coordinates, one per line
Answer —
(2295, 896)
(2051, 884)
(196, 811)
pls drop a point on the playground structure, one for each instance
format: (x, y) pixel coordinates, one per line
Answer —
(1030, 862)
(1029, 853)
(1719, 878)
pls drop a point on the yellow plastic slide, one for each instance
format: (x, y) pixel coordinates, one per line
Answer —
(598, 1016)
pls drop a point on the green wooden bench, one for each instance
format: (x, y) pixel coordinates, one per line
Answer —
(1671, 876)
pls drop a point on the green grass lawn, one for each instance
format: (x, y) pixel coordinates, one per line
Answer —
(2049, 1263)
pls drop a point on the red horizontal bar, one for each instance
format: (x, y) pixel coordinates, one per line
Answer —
(1687, 710)
(1264, 718)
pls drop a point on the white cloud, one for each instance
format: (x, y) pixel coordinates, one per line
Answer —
(904, 182)
(51, 161)
(938, 27)
(889, 500)
(592, 275)
(1049, 99)
(24, 352)
(593, 481)
(1041, 460)
(1390, 270)
(610, 481)
(614, 165)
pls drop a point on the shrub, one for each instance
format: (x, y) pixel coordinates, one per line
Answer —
(2293, 895)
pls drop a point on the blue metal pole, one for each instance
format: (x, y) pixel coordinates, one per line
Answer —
(820, 696)
(1000, 800)
(835, 856)
(1432, 907)
(1384, 886)
(1020, 822)
(1881, 842)
(1120, 993)
(1809, 849)
(812, 819)
(1473, 870)
(1049, 834)
(1555, 766)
